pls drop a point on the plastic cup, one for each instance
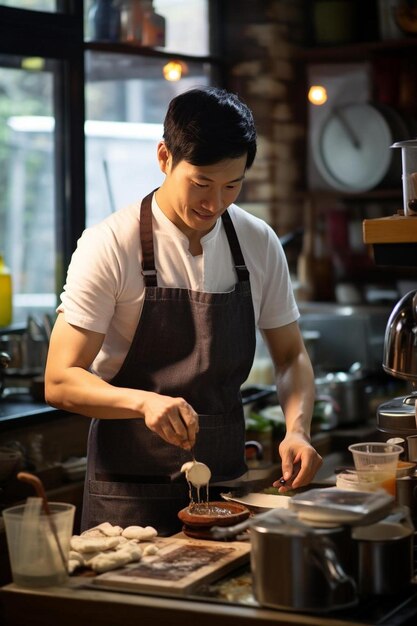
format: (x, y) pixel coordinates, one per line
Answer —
(376, 463)
(35, 558)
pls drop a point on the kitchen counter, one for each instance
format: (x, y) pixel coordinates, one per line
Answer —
(77, 602)
(22, 409)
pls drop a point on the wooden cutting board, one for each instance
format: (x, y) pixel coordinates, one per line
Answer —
(179, 566)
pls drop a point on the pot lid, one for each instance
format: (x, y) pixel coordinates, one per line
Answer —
(398, 414)
(330, 505)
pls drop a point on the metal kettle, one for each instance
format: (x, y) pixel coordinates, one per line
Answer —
(400, 343)
(397, 417)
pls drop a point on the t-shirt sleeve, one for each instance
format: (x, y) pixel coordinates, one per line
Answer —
(90, 292)
(278, 306)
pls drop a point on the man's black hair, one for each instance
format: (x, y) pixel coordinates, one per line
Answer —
(207, 125)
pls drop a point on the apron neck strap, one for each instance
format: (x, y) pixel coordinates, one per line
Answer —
(146, 240)
(240, 265)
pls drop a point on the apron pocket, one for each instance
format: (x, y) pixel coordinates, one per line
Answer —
(129, 504)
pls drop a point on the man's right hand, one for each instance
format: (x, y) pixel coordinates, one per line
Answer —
(173, 419)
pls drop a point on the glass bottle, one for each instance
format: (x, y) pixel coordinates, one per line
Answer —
(132, 21)
(153, 26)
(5, 294)
(104, 21)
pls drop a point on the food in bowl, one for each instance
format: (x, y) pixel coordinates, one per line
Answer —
(405, 468)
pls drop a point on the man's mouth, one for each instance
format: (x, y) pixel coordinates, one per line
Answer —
(204, 216)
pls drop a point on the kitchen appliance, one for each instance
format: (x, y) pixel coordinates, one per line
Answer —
(23, 356)
(406, 495)
(309, 565)
(397, 417)
(384, 554)
(330, 548)
(305, 557)
(350, 392)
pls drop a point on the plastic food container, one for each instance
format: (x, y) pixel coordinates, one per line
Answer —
(377, 462)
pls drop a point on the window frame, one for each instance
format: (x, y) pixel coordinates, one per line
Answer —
(58, 36)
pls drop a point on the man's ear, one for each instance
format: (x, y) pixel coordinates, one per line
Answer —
(164, 157)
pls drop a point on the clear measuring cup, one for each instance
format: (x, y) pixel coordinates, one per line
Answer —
(409, 174)
(35, 557)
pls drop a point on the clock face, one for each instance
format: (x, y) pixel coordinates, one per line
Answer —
(352, 147)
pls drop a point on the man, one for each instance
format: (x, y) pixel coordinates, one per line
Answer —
(156, 330)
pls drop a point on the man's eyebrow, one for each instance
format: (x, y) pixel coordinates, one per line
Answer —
(210, 180)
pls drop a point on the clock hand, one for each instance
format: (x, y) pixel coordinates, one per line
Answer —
(348, 128)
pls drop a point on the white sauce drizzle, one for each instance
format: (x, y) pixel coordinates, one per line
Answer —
(197, 475)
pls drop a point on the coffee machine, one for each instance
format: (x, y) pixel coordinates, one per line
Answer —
(397, 417)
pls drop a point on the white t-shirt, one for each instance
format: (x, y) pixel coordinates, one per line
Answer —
(104, 290)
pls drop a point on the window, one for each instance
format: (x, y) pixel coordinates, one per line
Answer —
(27, 201)
(186, 25)
(49, 144)
(33, 5)
(126, 101)
(42, 199)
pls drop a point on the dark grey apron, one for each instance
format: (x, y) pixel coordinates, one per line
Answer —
(192, 344)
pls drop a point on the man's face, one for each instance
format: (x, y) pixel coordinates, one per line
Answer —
(194, 197)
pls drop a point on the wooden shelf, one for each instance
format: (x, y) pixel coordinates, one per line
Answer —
(356, 51)
(393, 229)
(117, 47)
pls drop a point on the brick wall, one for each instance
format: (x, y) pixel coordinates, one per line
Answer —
(261, 38)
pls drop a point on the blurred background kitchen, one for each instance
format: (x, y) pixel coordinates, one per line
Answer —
(83, 91)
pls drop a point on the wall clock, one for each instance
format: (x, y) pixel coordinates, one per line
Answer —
(351, 147)
(349, 137)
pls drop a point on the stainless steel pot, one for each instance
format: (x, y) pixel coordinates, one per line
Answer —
(298, 567)
(27, 352)
(384, 554)
(349, 390)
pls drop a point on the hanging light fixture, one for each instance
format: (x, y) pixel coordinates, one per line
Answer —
(317, 94)
(174, 70)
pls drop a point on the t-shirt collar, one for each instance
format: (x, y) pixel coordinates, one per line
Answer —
(168, 226)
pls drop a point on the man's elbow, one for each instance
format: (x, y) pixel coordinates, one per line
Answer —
(53, 393)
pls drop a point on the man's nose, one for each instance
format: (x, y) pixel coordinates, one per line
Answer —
(213, 201)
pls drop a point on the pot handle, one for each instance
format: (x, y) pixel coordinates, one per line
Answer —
(229, 532)
(325, 557)
(401, 514)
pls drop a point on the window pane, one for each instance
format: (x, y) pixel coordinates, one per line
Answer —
(32, 5)
(186, 24)
(126, 102)
(27, 201)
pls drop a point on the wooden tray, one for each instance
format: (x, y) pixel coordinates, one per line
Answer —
(179, 566)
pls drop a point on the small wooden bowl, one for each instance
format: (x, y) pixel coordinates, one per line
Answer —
(237, 513)
(405, 468)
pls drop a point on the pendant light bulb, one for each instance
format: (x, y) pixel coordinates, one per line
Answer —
(172, 71)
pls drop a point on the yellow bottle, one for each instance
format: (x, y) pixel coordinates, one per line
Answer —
(5, 294)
